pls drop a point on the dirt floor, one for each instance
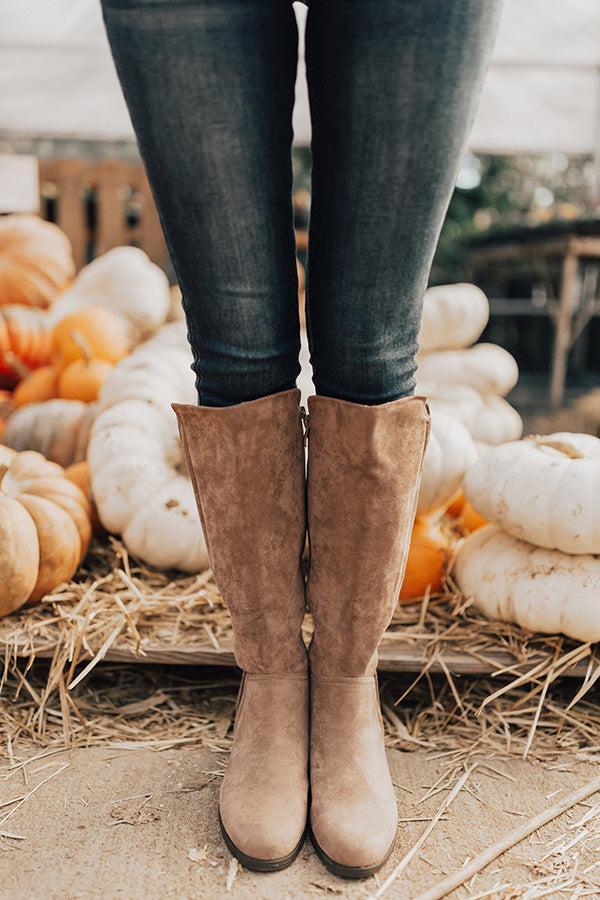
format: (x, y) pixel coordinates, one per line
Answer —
(142, 824)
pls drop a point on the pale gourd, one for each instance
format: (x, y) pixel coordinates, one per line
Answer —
(127, 283)
(489, 419)
(44, 528)
(454, 316)
(487, 368)
(449, 454)
(139, 480)
(58, 429)
(544, 490)
(538, 589)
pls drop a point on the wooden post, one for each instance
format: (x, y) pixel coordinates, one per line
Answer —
(562, 336)
(69, 177)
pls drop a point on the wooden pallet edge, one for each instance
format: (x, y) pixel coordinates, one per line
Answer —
(399, 659)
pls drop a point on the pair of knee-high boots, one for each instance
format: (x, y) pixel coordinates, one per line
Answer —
(308, 745)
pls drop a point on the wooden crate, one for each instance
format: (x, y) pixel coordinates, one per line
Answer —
(100, 205)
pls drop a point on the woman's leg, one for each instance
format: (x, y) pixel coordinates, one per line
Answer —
(393, 84)
(210, 89)
(393, 88)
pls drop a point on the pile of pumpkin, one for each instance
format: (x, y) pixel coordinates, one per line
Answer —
(538, 562)
(60, 338)
(91, 389)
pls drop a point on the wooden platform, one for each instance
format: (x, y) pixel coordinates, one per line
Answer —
(397, 658)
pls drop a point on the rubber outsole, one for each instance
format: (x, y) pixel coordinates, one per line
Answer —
(350, 872)
(261, 865)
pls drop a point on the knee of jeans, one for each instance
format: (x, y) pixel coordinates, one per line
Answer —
(367, 374)
(233, 374)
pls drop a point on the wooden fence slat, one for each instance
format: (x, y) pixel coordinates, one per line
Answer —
(110, 180)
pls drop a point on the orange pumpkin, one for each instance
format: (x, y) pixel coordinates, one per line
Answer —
(37, 387)
(83, 378)
(36, 262)
(79, 474)
(456, 507)
(44, 528)
(5, 398)
(25, 342)
(466, 518)
(427, 563)
(93, 332)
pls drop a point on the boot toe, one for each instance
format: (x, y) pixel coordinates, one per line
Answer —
(353, 839)
(266, 832)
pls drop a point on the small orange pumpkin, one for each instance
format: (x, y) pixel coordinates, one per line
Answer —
(37, 387)
(466, 518)
(83, 378)
(93, 332)
(427, 563)
(25, 342)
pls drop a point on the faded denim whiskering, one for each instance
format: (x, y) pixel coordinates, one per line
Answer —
(393, 86)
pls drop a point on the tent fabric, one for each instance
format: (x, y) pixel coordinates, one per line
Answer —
(542, 93)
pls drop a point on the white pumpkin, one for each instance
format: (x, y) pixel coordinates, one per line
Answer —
(489, 419)
(58, 429)
(449, 454)
(454, 316)
(497, 422)
(544, 489)
(138, 476)
(176, 312)
(539, 589)
(127, 283)
(487, 368)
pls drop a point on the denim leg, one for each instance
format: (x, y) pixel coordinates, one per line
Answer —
(393, 87)
(210, 88)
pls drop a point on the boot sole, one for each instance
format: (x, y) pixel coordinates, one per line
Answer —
(350, 872)
(261, 865)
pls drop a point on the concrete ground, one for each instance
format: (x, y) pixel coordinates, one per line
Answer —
(142, 824)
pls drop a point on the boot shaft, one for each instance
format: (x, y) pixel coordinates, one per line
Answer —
(364, 474)
(246, 463)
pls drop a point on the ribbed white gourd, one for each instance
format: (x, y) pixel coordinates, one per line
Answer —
(127, 283)
(489, 419)
(487, 368)
(454, 316)
(449, 454)
(543, 489)
(538, 589)
(138, 476)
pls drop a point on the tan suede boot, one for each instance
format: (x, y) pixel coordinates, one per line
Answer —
(364, 466)
(247, 466)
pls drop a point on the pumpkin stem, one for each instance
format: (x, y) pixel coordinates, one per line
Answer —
(563, 447)
(82, 343)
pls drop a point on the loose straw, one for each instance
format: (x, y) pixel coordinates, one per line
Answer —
(479, 862)
(404, 862)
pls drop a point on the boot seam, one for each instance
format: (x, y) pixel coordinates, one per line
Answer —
(275, 677)
(350, 681)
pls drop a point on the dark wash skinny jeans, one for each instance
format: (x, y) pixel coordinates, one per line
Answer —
(393, 86)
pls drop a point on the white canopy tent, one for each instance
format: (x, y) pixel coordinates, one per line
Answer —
(542, 93)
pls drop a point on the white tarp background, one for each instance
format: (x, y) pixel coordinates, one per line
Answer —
(542, 93)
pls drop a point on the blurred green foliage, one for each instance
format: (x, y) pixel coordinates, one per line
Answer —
(497, 192)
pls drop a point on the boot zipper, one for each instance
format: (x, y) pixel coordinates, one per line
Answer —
(305, 419)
